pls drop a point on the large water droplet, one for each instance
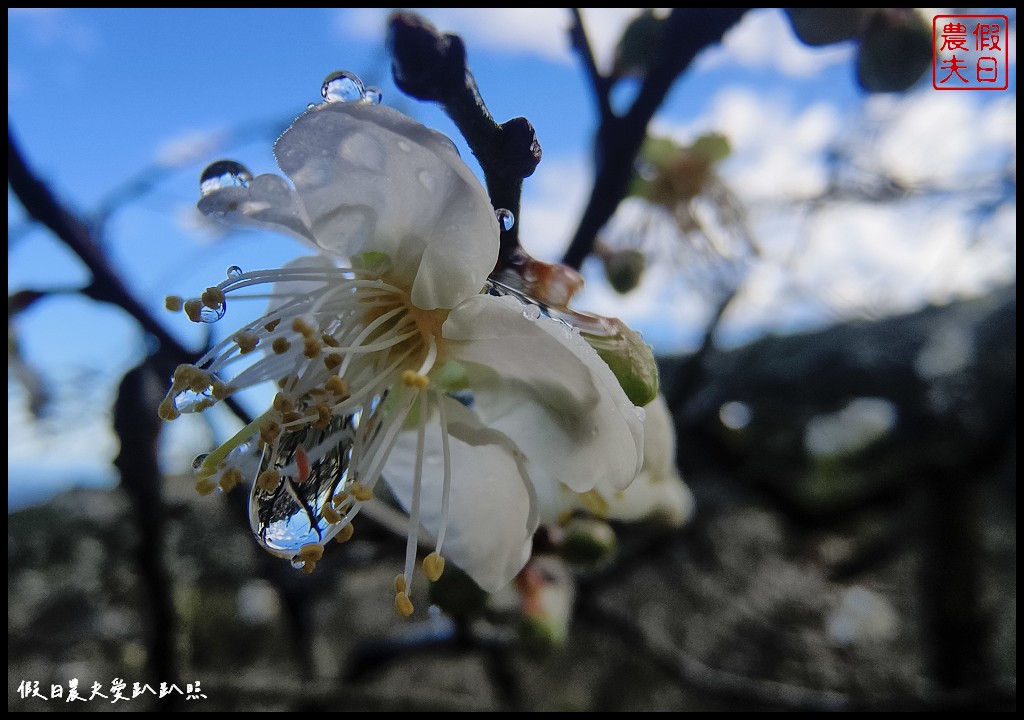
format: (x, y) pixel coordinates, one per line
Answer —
(223, 174)
(506, 218)
(234, 272)
(342, 86)
(373, 95)
(291, 516)
(190, 401)
(198, 461)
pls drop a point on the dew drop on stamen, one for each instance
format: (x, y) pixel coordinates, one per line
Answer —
(298, 563)
(234, 272)
(373, 95)
(198, 461)
(506, 219)
(223, 174)
(212, 315)
(342, 86)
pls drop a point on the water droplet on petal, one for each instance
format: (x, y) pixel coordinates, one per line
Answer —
(342, 86)
(234, 272)
(223, 174)
(311, 106)
(404, 146)
(198, 461)
(373, 95)
(531, 312)
(425, 179)
(505, 218)
(292, 515)
(641, 414)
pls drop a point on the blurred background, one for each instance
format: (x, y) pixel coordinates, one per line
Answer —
(818, 244)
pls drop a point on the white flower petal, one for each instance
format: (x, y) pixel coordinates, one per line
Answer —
(491, 514)
(267, 202)
(550, 391)
(658, 493)
(373, 180)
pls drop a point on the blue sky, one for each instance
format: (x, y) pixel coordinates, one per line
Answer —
(97, 96)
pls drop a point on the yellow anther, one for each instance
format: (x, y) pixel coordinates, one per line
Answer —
(283, 404)
(332, 360)
(231, 479)
(345, 534)
(167, 410)
(205, 404)
(331, 515)
(338, 386)
(403, 605)
(272, 325)
(330, 340)
(280, 345)
(360, 492)
(311, 552)
(308, 567)
(340, 499)
(269, 432)
(301, 326)
(563, 518)
(268, 480)
(323, 420)
(193, 308)
(411, 378)
(399, 583)
(311, 347)
(290, 417)
(212, 298)
(173, 303)
(246, 342)
(205, 486)
(220, 390)
(433, 566)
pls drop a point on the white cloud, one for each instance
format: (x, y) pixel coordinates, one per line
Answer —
(764, 39)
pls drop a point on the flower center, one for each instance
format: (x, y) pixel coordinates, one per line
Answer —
(352, 357)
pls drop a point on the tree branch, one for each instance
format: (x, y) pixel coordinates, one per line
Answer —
(40, 203)
(686, 33)
(431, 66)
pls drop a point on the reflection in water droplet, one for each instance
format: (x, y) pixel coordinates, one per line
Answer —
(189, 401)
(198, 461)
(342, 86)
(212, 315)
(373, 95)
(234, 272)
(298, 563)
(223, 174)
(292, 515)
(505, 218)
(531, 312)
(641, 414)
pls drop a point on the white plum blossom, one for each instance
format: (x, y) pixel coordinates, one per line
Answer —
(406, 364)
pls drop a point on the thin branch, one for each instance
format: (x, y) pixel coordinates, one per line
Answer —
(431, 66)
(686, 32)
(40, 203)
(602, 84)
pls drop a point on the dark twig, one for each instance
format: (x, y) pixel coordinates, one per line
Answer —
(106, 286)
(686, 32)
(602, 83)
(431, 66)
